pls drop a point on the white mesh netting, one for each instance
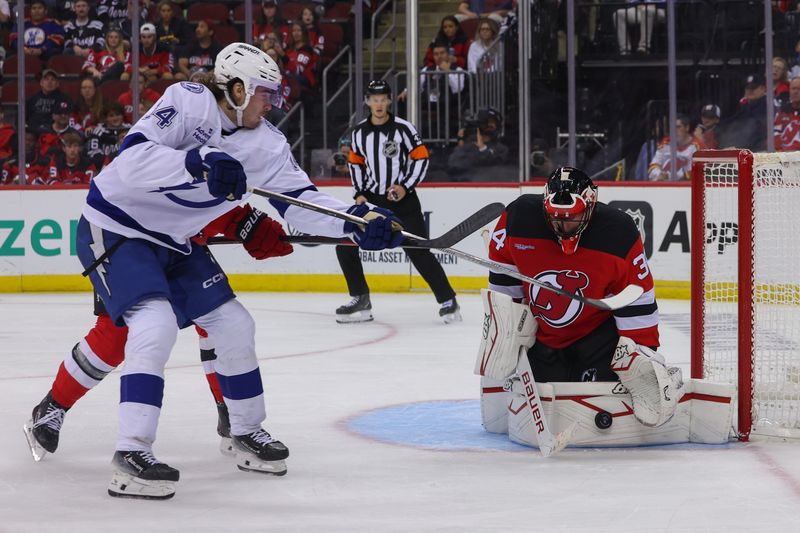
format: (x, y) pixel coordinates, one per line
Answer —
(776, 280)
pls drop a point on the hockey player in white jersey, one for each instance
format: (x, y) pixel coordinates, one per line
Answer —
(134, 238)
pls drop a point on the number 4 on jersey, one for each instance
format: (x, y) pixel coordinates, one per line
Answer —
(499, 238)
(165, 116)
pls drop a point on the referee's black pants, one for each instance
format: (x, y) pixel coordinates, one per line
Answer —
(410, 212)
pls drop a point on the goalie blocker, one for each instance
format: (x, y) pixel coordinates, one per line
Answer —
(592, 413)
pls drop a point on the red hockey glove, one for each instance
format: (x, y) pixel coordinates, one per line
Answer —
(260, 234)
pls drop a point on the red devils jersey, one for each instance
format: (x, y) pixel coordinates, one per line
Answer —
(610, 256)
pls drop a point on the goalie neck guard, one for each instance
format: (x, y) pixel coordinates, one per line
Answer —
(569, 200)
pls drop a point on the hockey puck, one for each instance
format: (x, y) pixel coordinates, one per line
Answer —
(603, 420)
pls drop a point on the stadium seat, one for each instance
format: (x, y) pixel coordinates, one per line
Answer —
(217, 12)
(339, 11)
(334, 35)
(33, 66)
(111, 89)
(225, 34)
(238, 13)
(9, 91)
(292, 10)
(469, 27)
(71, 88)
(67, 66)
(160, 86)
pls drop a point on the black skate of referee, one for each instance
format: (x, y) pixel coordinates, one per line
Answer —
(387, 160)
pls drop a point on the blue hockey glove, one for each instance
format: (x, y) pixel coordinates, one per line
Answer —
(379, 233)
(224, 174)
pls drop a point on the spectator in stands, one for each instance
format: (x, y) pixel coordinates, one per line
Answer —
(747, 126)
(643, 14)
(145, 94)
(474, 9)
(42, 37)
(337, 163)
(661, 164)
(171, 30)
(90, 104)
(7, 134)
(49, 141)
(479, 149)
(780, 81)
(39, 169)
(706, 131)
(82, 33)
(301, 60)
(63, 11)
(434, 86)
(39, 107)
(74, 167)
(455, 40)
(102, 144)
(479, 57)
(316, 40)
(114, 13)
(112, 62)
(273, 42)
(155, 59)
(787, 121)
(271, 21)
(201, 52)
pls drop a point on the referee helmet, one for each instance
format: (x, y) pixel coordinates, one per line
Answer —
(378, 87)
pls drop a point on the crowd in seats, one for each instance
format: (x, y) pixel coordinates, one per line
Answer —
(78, 68)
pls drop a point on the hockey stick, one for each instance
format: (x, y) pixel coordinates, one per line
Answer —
(549, 444)
(623, 299)
(471, 224)
(317, 240)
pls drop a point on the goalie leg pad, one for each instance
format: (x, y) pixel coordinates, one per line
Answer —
(507, 327)
(655, 389)
(494, 405)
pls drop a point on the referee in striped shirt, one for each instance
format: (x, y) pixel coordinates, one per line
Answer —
(387, 160)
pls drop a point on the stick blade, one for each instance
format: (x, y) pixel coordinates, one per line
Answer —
(465, 228)
(629, 294)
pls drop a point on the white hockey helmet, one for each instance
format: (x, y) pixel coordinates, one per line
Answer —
(253, 67)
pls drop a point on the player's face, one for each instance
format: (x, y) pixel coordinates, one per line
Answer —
(567, 225)
(258, 106)
(379, 105)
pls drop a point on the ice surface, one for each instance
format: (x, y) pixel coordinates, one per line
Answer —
(334, 395)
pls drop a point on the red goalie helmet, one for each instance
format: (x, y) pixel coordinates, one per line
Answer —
(569, 200)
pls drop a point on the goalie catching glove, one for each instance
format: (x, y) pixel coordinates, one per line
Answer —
(379, 232)
(654, 388)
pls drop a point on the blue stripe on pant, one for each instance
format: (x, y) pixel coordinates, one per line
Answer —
(241, 386)
(142, 388)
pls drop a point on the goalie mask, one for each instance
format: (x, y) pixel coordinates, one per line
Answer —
(569, 200)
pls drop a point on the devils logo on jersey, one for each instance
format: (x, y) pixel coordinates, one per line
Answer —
(556, 310)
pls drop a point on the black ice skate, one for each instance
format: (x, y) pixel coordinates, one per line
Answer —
(43, 428)
(259, 452)
(358, 310)
(140, 475)
(449, 311)
(224, 430)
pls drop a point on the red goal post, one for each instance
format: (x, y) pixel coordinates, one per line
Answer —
(745, 308)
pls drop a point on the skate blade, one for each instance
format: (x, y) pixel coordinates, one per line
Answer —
(226, 447)
(37, 451)
(452, 317)
(273, 468)
(124, 485)
(360, 316)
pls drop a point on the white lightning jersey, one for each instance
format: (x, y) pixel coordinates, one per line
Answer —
(152, 191)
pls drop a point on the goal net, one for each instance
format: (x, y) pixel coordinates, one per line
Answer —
(746, 283)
